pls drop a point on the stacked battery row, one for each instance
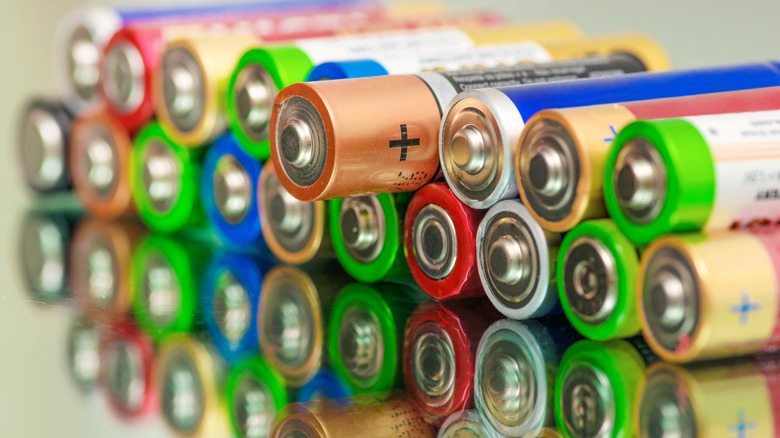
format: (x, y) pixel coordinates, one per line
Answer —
(503, 170)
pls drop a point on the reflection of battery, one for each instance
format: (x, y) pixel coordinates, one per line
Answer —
(573, 142)
(262, 72)
(44, 139)
(228, 190)
(515, 371)
(719, 399)
(83, 354)
(597, 385)
(516, 260)
(325, 385)
(295, 231)
(366, 334)
(367, 236)
(255, 391)
(482, 128)
(597, 270)
(707, 296)
(328, 142)
(710, 172)
(99, 162)
(293, 314)
(440, 243)
(165, 180)
(440, 346)
(467, 423)
(165, 284)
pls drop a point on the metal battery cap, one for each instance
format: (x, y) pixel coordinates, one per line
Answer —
(253, 407)
(83, 61)
(101, 274)
(587, 402)
(361, 342)
(664, 407)
(232, 189)
(126, 374)
(43, 256)
(590, 280)
(161, 176)
(183, 88)
(362, 226)
(301, 141)
(433, 364)
(253, 95)
(182, 396)
(435, 241)
(123, 77)
(231, 306)
(292, 222)
(100, 158)
(639, 181)
(83, 344)
(161, 290)
(43, 148)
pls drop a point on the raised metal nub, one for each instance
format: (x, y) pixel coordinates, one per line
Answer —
(182, 397)
(124, 74)
(253, 407)
(183, 86)
(232, 189)
(549, 169)
(43, 148)
(508, 383)
(433, 364)
(301, 141)
(100, 161)
(161, 176)
(639, 181)
(254, 94)
(362, 224)
(83, 353)
(665, 411)
(126, 374)
(287, 322)
(466, 424)
(43, 257)
(590, 280)
(670, 298)
(587, 403)
(232, 310)
(507, 259)
(361, 343)
(101, 274)
(435, 242)
(468, 149)
(83, 63)
(161, 291)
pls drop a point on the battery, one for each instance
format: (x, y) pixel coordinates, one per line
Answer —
(516, 260)
(165, 284)
(719, 399)
(190, 378)
(440, 347)
(99, 162)
(597, 386)
(576, 140)
(712, 172)
(376, 416)
(597, 274)
(228, 304)
(366, 334)
(515, 373)
(481, 128)
(255, 391)
(324, 134)
(127, 370)
(228, 191)
(82, 346)
(296, 232)
(293, 314)
(440, 235)
(466, 424)
(367, 236)
(165, 182)
(99, 269)
(325, 385)
(44, 140)
(263, 71)
(704, 296)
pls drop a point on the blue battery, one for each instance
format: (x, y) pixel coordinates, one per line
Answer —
(229, 194)
(502, 112)
(229, 300)
(363, 68)
(325, 385)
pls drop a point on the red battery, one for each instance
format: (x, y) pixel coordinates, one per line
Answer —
(440, 243)
(439, 353)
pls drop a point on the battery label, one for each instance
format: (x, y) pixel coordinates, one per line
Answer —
(746, 150)
(388, 44)
(480, 57)
(591, 67)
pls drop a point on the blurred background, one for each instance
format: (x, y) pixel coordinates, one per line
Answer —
(34, 398)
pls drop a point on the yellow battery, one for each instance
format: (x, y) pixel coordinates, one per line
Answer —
(704, 296)
(644, 48)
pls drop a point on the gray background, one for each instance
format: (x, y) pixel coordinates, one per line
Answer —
(36, 397)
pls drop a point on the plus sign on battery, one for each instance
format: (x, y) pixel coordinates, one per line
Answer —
(404, 142)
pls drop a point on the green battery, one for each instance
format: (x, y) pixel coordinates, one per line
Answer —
(366, 334)
(597, 271)
(165, 281)
(255, 391)
(708, 173)
(165, 181)
(367, 235)
(596, 386)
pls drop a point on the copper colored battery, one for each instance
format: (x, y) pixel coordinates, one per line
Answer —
(100, 257)
(99, 159)
(377, 418)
